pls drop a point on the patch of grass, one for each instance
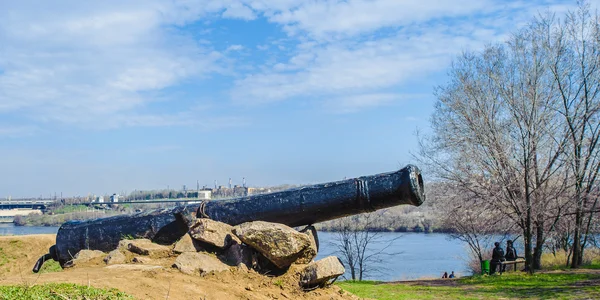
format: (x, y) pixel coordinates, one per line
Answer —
(127, 237)
(50, 266)
(384, 291)
(65, 209)
(59, 291)
(278, 283)
(4, 256)
(521, 286)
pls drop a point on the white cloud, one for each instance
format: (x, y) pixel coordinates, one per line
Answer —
(235, 48)
(356, 103)
(357, 49)
(324, 19)
(237, 10)
(76, 61)
(347, 68)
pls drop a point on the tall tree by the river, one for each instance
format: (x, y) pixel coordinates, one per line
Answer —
(499, 133)
(574, 59)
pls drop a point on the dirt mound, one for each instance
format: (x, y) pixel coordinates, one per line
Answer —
(18, 254)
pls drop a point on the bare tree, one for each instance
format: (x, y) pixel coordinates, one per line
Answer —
(498, 135)
(574, 59)
(359, 249)
(471, 219)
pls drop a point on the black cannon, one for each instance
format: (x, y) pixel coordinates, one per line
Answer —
(301, 206)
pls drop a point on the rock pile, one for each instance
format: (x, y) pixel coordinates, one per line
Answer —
(211, 246)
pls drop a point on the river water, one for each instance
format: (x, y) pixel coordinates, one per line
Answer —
(415, 255)
(10, 229)
(412, 255)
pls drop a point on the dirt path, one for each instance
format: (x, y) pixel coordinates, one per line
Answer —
(19, 253)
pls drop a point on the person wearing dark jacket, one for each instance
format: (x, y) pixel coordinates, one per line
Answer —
(511, 252)
(497, 258)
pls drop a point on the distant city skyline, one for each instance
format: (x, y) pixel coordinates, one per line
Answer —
(111, 96)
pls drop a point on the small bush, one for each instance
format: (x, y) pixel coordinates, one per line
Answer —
(19, 220)
(401, 229)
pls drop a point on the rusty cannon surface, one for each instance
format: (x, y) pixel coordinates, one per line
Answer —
(295, 207)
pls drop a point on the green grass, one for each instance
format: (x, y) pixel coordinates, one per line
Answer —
(50, 266)
(65, 209)
(59, 291)
(516, 286)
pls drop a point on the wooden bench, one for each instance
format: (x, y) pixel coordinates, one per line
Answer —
(519, 260)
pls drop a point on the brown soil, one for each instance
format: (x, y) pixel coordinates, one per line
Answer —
(19, 253)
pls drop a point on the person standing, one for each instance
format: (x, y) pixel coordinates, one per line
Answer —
(497, 258)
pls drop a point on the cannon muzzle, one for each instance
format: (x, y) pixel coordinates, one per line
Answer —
(301, 206)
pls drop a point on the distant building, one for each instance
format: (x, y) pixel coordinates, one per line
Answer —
(256, 191)
(205, 194)
(100, 199)
(114, 198)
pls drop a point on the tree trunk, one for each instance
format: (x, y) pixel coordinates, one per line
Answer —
(527, 238)
(575, 259)
(539, 246)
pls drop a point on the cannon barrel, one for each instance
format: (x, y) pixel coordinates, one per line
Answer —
(301, 206)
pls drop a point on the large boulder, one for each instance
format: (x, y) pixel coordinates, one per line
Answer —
(280, 244)
(198, 263)
(115, 257)
(146, 247)
(83, 256)
(213, 233)
(187, 244)
(86, 255)
(318, 273)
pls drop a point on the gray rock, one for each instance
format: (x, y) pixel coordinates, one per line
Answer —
(146, 247)
(123, 244)
(320, 272)
(213, 233)
(115, 257)
(187, 244)
(198, 263)
(280, 244)
(83, 256)
(86, 255)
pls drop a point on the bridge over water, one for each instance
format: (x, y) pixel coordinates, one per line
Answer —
(25, 204)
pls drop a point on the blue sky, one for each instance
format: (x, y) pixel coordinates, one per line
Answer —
(116, 96)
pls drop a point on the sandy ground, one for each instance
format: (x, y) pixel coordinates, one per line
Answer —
(19, 253)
